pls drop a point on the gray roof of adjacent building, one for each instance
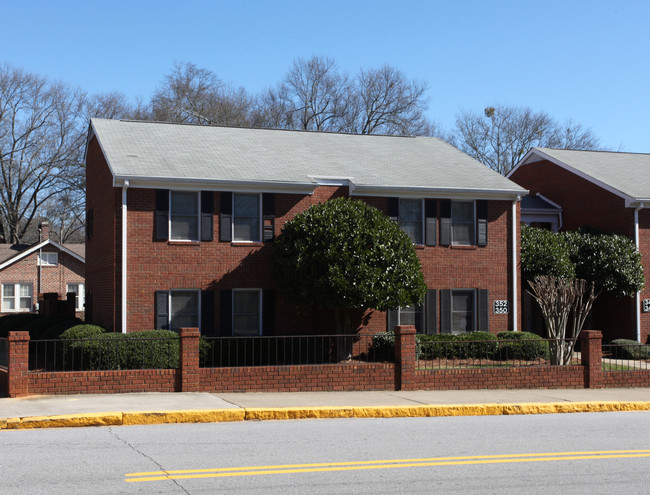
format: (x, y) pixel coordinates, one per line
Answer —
(624, 174)
(152, 153)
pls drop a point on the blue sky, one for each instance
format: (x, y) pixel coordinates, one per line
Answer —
(585, 60)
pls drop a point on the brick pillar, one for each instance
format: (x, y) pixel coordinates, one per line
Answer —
(18, 366)
(189, 359)
(405, 357)
(591, 342)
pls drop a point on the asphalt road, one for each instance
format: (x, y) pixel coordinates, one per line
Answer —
(561, 453)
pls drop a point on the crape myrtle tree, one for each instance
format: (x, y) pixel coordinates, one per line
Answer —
(344, 254)
(567, 271)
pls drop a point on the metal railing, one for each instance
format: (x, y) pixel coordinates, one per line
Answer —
(455, 354)
(223, 352)
(626, 357)
(4, 352)
(103, 354)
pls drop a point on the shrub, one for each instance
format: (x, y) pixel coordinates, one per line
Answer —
(629, 349)
(150, 349)
(528, 346)
(383, 347)
(84, 331)
(16, 322)
(471, 345)
(483, 345)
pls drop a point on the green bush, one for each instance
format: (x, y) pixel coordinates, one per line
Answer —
(150, 349)
(528, 346)
(471, 345)
(383, 347)
(629, 349)
(84, 331)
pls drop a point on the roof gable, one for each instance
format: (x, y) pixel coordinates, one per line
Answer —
(75, 252)
(148, 154)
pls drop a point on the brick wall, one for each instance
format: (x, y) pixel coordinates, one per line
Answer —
(584, 203)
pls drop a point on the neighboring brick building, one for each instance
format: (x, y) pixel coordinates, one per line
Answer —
(27, 272)
(606, 190)
(184, 216)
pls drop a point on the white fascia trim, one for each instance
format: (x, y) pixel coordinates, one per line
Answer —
(195, 184)
(628, 199)
(439, 192)
(38, 246)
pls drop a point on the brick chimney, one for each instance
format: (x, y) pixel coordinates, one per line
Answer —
(44, 229)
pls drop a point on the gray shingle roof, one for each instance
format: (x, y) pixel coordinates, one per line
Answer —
(627, 173)
(149, 150)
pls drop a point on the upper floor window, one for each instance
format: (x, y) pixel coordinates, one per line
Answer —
(48, 259)
(416, 217)
(17, 297)
(246, 213)
(184, 215)
(410, 219)
(462, 222)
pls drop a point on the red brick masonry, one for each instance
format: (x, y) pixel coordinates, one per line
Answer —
(16, 380)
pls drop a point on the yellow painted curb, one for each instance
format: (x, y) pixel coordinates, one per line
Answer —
(188, 416)
(68, 420)
(323, 412)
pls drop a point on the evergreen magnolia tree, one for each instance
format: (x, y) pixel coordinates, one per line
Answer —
(345, 254)
(567, 271)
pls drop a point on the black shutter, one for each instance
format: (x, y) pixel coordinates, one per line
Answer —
(430, 222)
(207, 312)
(482, 223)
(445, 222)
(88, 316)
(391, 319)
(225, 219)
(393, 209)
(483, 311)
(431, 307)
(268, 217)
(162, 214)
(207, 213)
(268, 312)
(445, 311)
(89, 223)
(162, 310)
(225, 309)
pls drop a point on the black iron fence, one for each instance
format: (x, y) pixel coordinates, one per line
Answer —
(626, 357)
(4, 352)
(458, 354)
(221, 352)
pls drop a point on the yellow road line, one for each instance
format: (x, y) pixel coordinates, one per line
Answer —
(380, 464)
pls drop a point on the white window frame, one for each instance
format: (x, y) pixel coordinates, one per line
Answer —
(170, 315)
(472, 241)
(422, 221)
(16, 298)
(259, 217)
(260, 313)
(198, 215)
(474, 310)
(80, 295)
(48, 258)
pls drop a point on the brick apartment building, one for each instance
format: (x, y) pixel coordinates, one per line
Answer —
(29, 271)
(609, 191)
(181, 222)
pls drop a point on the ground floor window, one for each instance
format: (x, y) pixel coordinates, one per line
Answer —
(78, 290)
(411, 315)
(246, 312)
(17, 297)
(422, 316)
(178, 308)
(463, 311)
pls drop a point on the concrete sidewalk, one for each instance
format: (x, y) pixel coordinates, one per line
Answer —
(147, 408)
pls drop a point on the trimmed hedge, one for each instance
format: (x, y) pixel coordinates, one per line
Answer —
(84, 331)
(629, 349)
(471, 345)
(528, 347)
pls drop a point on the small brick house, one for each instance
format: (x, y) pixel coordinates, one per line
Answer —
(609, 191)
(27, 272)
(181, 221)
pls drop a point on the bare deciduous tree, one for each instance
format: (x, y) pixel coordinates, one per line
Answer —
(502, 135)
(42, 134)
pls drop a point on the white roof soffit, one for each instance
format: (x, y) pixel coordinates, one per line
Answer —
(438, 192)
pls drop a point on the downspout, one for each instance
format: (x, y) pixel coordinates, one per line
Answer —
(638, 294)
(39, 263)
(515, 278)
(124, 236)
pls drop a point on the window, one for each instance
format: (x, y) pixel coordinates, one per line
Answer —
(462, 311)
(16, 297)
(178, 308)
(246, 312)
(183, 216)
(423, 316)
(410, 219)
(246, 218)
(48, 259)
(462, 222)
(411, 315)
(78, 290)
